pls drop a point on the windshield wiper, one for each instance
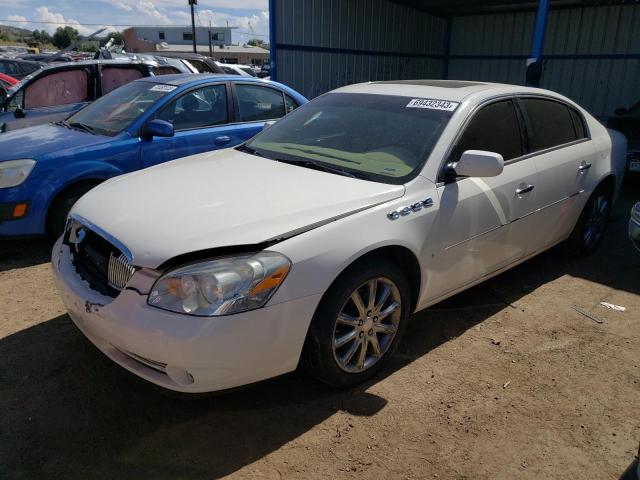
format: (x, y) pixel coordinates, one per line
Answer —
(313, 152)
(81, 126)
(249, 150)
(317, 166)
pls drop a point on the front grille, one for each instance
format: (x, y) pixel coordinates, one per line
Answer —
(119, 271)
(100, 263)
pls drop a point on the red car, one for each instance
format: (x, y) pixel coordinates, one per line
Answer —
(7, 81)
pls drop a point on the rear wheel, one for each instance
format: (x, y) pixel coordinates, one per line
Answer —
(592, 224)
(358, 324)
(60, 208)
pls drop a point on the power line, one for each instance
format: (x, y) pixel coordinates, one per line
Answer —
(120, 25)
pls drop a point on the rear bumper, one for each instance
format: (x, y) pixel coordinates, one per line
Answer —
(182, 352)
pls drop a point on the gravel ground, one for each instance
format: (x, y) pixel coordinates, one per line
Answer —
(504, 381)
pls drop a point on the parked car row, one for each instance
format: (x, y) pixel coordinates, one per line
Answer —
(313, 241)
(53, 92)
(45, 169)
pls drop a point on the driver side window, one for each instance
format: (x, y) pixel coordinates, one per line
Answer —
(495, 128)
(204, 107)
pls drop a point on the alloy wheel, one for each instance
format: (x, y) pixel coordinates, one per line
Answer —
(596, 222)
(366, 325)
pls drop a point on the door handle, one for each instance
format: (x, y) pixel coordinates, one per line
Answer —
(222, 140)
(584, 167)
(527, 189)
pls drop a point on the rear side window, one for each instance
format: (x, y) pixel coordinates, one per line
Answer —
(62, 88)
(114, 77)
(550, 123)
(8, 68)
(290, 103)
(200, 65)
(494, 128)
(230, 71)
(257, 103)
(578, 124)
(164, 71)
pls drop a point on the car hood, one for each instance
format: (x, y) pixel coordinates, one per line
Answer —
(42, 140)
(221, 199)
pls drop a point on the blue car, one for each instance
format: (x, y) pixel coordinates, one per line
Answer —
(45, 169)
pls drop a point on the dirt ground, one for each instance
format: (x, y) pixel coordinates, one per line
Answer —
(504, 381)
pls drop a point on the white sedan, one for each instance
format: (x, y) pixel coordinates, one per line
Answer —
(315, 241)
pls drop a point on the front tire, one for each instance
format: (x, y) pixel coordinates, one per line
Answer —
(592, 224)
(59, 210)
(358, 324)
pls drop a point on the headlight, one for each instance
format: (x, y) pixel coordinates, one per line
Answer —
(223, 286)
(14, 172)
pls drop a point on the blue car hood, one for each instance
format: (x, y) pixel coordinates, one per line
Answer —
(42, 140)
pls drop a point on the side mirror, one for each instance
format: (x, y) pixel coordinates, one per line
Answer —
(621, 111)
(159, 128)
(268, 124)
(477, 163)
(19, 113)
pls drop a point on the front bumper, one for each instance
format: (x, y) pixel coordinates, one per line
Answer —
(181, 352)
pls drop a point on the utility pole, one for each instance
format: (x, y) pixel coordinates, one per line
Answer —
(210, 45)
(192, 3)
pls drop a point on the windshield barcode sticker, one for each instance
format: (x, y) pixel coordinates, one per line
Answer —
(163, 88)
(433, 104)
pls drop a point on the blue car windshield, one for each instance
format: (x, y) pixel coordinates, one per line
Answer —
(115, 111)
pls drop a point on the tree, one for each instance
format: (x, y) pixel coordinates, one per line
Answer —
(118, 39)
(63, 37)
(255, 42)
(42, 36)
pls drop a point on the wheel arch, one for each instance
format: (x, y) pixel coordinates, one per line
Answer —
(91, 181)
(401, 256)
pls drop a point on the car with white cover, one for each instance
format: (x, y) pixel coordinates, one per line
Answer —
(313, 243)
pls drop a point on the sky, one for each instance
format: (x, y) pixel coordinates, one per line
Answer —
(117, 14)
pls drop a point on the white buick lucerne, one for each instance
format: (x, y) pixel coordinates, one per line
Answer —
(315, 241)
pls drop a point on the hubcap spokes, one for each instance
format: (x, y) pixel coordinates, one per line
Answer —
(366, 325)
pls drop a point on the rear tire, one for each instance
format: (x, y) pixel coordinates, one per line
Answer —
(59, 210)
(353, 332)
(592, 224)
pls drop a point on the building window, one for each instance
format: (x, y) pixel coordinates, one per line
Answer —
(218, 37)
(187, 36)
(161, 35)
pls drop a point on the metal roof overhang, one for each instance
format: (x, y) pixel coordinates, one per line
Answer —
(448, 8)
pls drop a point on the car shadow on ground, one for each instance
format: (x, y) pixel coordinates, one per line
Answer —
(69, 412)
(23, 253)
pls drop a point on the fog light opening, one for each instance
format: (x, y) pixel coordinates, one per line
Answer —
(180, 376)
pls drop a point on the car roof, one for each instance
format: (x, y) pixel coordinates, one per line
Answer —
(116, 61)
(452, 90)
(19, 60)
(179, 79)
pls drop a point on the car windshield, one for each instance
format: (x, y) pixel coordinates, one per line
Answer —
(115, 111)
(375, 137)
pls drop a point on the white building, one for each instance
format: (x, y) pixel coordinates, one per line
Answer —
(179, 35)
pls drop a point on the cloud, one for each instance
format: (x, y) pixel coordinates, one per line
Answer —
(57, 20)
(123, 6)
(149, 9)
(258, 22)
(16, 18)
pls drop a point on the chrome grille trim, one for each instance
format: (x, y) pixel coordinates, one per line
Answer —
(106, 235)
(120, 271)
